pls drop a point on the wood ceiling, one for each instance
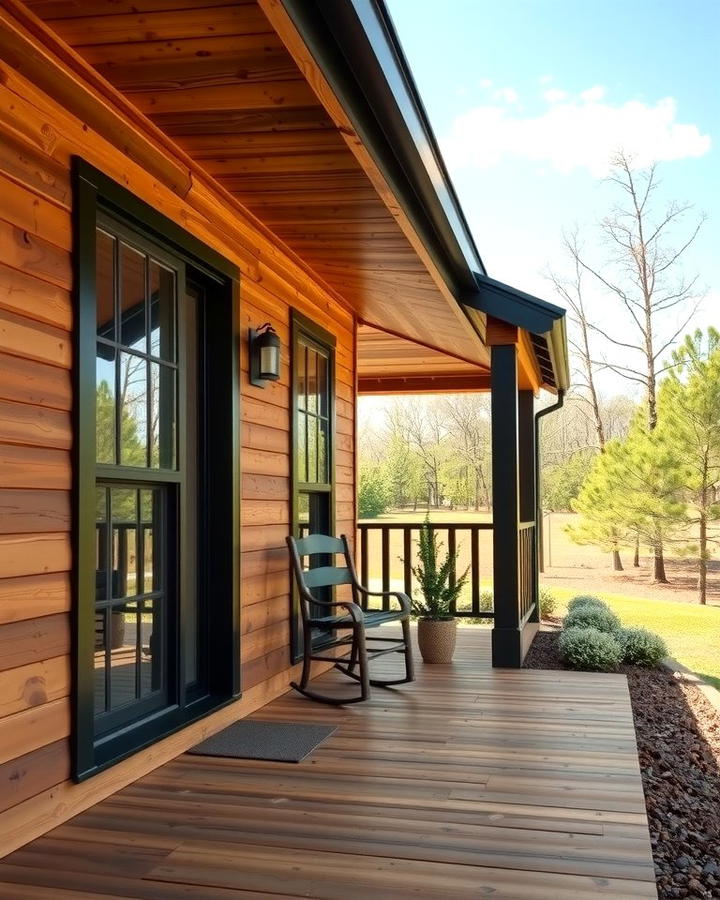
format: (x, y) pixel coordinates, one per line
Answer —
(216, 78)
(388, 364)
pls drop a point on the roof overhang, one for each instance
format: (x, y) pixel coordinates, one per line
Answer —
(544, 322)
(357, 47)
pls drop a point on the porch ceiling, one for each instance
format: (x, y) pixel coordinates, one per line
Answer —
(220, 81)
(388, 364)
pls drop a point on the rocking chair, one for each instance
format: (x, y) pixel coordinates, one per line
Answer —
(318, 615)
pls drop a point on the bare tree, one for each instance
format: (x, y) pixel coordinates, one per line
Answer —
(643, 274)
(468, 418)
(570, 291)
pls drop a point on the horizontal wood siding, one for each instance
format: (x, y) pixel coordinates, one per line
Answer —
(37, 139)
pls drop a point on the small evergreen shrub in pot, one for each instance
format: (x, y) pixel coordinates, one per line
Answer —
(641, 647)
(586, 600)
(437, 627)
(592, 616)
(589, 649)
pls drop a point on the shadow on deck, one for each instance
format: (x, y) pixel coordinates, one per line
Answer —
(470, 782)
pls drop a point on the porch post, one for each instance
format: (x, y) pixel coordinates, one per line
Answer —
(506, 635)
(528, 487)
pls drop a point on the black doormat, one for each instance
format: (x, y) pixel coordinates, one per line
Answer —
(276, 741)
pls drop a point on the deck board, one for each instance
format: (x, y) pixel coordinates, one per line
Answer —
(471, 781)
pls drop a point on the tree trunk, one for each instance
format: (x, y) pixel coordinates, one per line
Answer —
(636, 556)
(617, 562)
(659, 576)
(702, 562)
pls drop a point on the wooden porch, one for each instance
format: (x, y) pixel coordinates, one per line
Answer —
(471, 781)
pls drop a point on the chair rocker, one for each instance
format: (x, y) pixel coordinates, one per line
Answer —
(330, 617)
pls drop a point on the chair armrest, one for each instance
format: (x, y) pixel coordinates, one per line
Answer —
(355, 611)
(400, 596)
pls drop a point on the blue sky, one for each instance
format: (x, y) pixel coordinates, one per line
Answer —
(529, 97)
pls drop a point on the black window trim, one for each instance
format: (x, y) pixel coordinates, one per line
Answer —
(93, 193)
(301, 325)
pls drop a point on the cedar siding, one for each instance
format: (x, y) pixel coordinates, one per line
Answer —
(38, 137)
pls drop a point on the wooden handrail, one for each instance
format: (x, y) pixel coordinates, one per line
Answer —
(384, 552)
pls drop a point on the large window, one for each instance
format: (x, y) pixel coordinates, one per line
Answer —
(313, 386)
(156, 629)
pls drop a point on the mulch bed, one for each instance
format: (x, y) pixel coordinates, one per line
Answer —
(678, 735)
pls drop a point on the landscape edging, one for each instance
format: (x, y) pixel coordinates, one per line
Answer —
(711, 694)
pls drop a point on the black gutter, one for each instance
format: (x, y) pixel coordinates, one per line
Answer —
(538, 493)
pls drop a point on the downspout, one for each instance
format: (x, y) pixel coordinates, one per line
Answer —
(538, 494)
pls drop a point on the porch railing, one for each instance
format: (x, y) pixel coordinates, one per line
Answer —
(387, 552)
(527, 562)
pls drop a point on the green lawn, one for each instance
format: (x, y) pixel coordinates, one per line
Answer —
(692, 633)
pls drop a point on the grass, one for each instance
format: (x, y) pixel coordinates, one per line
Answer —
(692, 633)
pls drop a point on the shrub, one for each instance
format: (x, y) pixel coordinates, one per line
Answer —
(586, 600)
(641, 647)
(548, 602)
(589, 649)
(590, 615)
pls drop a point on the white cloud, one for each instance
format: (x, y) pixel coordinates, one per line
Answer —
(572, 134)
(545, 79)
(485, 82)
(507, 94)
(555, 95)
(593, 94)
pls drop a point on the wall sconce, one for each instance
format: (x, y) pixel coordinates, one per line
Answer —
(264, 347)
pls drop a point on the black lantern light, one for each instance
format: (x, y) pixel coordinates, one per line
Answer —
(264, 355)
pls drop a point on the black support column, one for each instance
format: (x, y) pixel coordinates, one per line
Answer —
(528, 487)
(506, 635)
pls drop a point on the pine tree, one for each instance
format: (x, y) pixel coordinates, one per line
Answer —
(634, 488)
(599, 523)
(647, 491)
(689, 418)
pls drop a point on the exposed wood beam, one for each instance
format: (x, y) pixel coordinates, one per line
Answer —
(423, 384)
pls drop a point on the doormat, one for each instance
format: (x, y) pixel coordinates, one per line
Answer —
(275, 741)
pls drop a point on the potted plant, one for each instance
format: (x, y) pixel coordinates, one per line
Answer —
(437, 626)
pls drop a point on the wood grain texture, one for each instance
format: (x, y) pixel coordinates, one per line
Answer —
(230, 83)
(471, 781)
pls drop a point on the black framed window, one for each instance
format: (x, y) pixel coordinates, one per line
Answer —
(312, 439)
(156, 631)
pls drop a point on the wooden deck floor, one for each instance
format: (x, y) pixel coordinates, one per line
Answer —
(469, 783)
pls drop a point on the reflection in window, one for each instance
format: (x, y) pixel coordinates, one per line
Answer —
(136, 397)
(129, 596)
(133, 328)
(313, 410)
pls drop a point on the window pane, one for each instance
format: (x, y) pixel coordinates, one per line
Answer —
(100, 680)
(132, 299)
(301, 364)
(162, 416)
(301, 449)
(151, 649)
(323, 385)
(312, 448)
(105, 284)
(162, 312)
(151, 517)
(105, 404)
(123, 654)
(312, 401)
(123, 503)
(133, 410)
(101, 545)
(323, 472)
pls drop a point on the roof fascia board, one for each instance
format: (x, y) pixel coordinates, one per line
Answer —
(508, 304)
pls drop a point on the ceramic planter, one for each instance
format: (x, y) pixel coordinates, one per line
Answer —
(436, 639)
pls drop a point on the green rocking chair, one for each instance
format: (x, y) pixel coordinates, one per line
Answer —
(328, 617)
